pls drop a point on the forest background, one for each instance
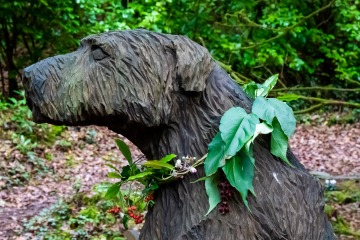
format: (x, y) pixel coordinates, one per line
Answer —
(313, 45)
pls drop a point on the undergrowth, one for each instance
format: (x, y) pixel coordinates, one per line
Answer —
(23, 143)
(80, 217)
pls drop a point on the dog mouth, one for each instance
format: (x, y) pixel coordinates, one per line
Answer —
(37, 116)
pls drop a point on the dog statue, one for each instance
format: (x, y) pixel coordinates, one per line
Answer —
(166, 94)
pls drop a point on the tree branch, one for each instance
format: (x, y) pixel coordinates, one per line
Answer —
(239, 78)
(295, 89)
(288, 29)
(310, 109)
(331, 101)
(352, 81)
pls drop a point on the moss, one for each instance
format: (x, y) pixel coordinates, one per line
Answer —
(348, 192)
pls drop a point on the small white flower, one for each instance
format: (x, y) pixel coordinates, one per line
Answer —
(183, 158)
(332, 182)
(327, 181)
(192, 170)
(178, 164)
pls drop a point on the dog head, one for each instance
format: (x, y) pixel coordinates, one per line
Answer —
(129, 75)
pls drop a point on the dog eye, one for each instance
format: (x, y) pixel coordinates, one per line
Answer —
(98, 53)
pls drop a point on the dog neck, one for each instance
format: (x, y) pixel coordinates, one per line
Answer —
(195, 121)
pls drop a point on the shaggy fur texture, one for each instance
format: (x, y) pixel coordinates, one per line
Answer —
(166, 94)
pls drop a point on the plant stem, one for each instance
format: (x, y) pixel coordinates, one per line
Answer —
(331, 101)
(310, 109)
(317, 89)
(235, 75)
(353, 81)
(181, 173)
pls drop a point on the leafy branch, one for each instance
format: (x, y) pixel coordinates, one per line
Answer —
(288, 29)
(150, 174)
(230, 153)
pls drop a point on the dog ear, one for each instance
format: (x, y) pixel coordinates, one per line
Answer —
(193, 64)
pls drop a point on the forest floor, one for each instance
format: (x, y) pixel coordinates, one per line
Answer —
(76, 165)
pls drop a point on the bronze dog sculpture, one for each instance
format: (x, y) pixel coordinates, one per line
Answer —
(166, 94)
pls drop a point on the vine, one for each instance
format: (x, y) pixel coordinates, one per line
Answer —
(131, 202)
(229, 164)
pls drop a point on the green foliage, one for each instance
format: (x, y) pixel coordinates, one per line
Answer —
(124, 150)
(211, 187)
(232, 148)
(239, 170)
(27, 138)
(255, 90)
(279, 142)
(81, 217)
(147, 176)
(216, 155)
(236, 128)
(15, 121)
(271, 109)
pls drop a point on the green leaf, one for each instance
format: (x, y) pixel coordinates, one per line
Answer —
(158, 165)
(124, 150)
(211, 187)
(239, 170)
(121, 200)
(168, 158)
(114, 175)
(261, 128)
(254, 90)
(112, 167)
(113, 191)
(236, 128)
(279, 142)
(268, 109)
(44, 2)
(128, 171)
(200, 179)
(250, 89)
(151, 187)
(267, 86)
(102, 187)
(288, 97)
(215, 157)
(140, 175)
(125, 221)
